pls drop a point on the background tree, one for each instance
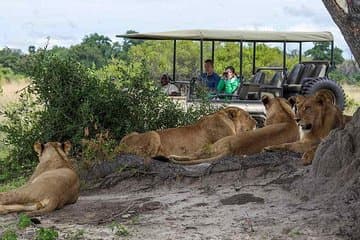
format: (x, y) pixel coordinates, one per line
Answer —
(322, 51)
(347, 21)
(11, 58)
(94, 51)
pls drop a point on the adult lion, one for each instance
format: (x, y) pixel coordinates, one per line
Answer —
(188, 139)
(280, 127)
(316, 117)
(53, 184)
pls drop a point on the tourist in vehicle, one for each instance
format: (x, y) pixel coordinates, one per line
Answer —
(229, 83)
(210, 78)
(167, 87)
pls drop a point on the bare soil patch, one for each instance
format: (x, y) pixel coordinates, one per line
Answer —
(236, 198)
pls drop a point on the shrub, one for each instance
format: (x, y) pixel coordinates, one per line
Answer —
(65, 99)
(46, 234)
(24, 221)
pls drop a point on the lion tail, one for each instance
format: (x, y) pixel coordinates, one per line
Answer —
(185, 160)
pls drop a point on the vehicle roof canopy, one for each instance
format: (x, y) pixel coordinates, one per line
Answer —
(234, 35)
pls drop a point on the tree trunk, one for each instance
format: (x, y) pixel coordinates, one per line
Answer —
(349, 26)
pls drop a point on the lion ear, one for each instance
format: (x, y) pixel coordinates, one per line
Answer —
(66, 146)
(265, 100)
(292, 100)
(39, 148)
(321, 99)
(323, 96)
(231, 113)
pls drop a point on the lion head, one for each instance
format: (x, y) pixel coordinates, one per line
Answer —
(52, 155)
(241, 119)
(316, 114)
(278, 110)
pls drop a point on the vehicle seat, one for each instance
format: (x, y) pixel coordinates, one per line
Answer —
(320, 70)
(308, 71)
(294, 74)
(275, 85)
(276, 79)
(259, 78)
(251, 90)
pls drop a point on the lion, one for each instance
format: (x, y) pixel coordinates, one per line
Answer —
(316, 117)
(188, 139)
(280, 127)
(53, 184)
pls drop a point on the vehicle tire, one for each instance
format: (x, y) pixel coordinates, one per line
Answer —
(325, 84)
(260, 120)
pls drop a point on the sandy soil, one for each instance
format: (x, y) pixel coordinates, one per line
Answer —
(252, 204)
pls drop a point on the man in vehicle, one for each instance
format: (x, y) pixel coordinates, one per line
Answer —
(210, 78)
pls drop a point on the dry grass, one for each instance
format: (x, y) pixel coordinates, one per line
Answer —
(352, 92)
(10, 92)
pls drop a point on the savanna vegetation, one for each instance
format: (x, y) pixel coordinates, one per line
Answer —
(95, 92)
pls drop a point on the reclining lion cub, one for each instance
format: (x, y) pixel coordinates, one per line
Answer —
(316, 117)
(53, 184)
(280, 127)
(188, 139)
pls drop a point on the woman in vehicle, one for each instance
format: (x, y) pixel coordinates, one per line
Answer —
(229, 81)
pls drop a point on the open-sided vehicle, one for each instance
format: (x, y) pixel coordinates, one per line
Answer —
(305, 78)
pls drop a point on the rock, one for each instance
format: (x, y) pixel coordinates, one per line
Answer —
(334, 179)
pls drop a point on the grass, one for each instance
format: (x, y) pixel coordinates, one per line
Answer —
(14, 183)
(353, 94)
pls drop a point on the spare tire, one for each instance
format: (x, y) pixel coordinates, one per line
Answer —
(325, 84)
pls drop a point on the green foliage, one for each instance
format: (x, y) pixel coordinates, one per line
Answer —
(347, 72)
(100, 148)
(119, 229)
(12, 59)
(24, 221)
(21, 128)
(95, 51)
(9, 235)
(76, 235)
(14, 183)
(65, 99)
(46, 234)
(158, 55)
(322, 51)
(351, 105)
(7, 75)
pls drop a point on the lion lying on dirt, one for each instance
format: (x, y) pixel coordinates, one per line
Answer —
(53, 184)
(316, 117)
(188, 139)
(280, 127)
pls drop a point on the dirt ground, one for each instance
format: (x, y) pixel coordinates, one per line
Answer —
(255, 202)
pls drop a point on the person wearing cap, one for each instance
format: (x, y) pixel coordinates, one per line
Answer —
(167, 87)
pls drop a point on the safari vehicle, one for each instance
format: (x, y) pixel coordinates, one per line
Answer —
(305, 78)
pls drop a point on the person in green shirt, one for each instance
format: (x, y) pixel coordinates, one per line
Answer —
(229, 82)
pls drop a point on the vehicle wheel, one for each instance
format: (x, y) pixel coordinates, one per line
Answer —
(260, 120)
(332, 88)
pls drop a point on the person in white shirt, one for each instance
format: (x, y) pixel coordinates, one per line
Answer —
(167, 87)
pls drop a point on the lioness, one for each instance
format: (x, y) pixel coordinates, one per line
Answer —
(188, 139)
(53, 184)
(316, 117)
(280, 127)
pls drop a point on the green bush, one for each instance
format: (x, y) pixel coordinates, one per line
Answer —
(9, 235)
(24, 221)
(65, 99)
(46, 234)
